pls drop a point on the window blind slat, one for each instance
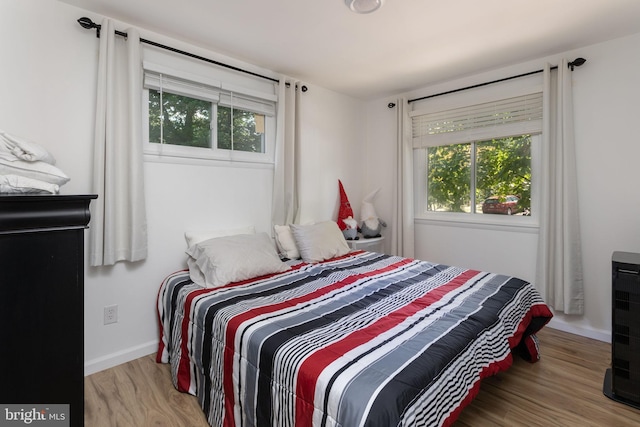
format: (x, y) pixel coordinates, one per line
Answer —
(180, 87)
(495, 119)
(248, 104)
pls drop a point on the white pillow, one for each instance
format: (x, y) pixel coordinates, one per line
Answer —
(195, 273)
(35, 170)
(193, 237)
(24, 149)
(21, 184)
(285, 242)
(319, 242)
(223, 260)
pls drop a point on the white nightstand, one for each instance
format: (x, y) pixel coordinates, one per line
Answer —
(373, 244)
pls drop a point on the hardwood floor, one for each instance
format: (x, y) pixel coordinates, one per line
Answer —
(563, 389)
(138, 394)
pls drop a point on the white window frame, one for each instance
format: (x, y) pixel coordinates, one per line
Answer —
(420, 193)
(205, 87)
(500, 222)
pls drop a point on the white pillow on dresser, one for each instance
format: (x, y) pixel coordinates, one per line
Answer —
(39, 170)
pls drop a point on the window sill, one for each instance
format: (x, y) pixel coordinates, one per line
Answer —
(515, 223)
(199, 156)
(185, 160)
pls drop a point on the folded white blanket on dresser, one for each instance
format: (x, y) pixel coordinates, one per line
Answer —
(19, 185)
(15, 148)
(27, 167)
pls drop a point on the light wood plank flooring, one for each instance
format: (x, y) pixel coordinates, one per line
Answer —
(563, 389)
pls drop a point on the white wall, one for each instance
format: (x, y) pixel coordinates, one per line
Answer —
(331, 149)
(47, 82)
(606, 110)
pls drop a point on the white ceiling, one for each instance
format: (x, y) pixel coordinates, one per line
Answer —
(405, 45)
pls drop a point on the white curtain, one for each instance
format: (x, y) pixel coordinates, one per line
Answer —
(118, 230)
(402, 243)
(559, 249)
(285, 203)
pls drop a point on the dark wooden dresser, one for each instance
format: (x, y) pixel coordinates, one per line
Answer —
(42, 301)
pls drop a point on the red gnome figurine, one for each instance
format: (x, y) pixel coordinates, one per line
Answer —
(346, 223)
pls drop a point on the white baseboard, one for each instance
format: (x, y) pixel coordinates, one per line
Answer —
(596, 334)
(120, 357)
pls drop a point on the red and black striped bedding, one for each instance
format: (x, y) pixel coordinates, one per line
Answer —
(362, 340)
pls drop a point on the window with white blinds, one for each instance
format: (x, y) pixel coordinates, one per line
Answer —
(502, 118)
(476, 154)
(191, 115)
(199, 87)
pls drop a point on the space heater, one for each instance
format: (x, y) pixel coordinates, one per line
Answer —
(622, 380)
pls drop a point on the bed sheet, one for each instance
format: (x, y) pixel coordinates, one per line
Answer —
(362, 340)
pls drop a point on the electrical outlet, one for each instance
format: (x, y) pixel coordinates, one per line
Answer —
(110, 314)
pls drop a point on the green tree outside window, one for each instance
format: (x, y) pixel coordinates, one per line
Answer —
(502, 167)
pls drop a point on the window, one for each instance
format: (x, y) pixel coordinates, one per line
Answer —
(193, 116)
(179, 120)
(188, 122)
(240, 130)
(478, 160)
(484, 177)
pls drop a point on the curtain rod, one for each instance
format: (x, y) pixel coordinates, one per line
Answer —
(89, 24)
(575, 63)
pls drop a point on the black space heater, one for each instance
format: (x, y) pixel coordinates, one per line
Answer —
(622, 380)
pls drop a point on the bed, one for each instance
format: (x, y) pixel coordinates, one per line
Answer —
(357, 339)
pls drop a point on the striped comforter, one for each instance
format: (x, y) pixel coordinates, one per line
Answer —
(363, 340)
